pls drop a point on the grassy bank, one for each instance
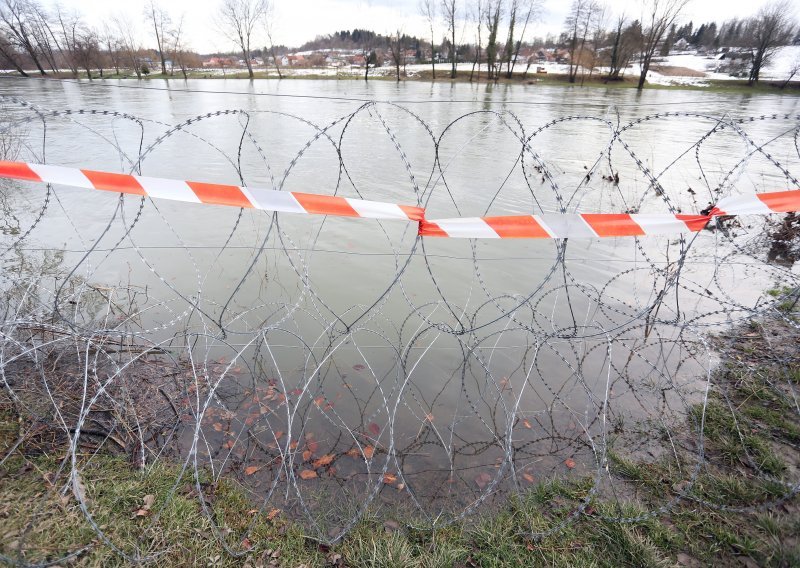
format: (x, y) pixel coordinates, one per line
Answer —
(752, 446)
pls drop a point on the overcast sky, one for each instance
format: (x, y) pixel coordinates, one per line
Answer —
(297, 21)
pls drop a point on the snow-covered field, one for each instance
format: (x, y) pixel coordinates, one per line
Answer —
(778, 69)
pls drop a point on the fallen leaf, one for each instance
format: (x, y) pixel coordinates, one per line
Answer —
(528, 477)
(359, 367)
(251, 469)
(374, 428)
(217, 426)
(278, 435)
(353, 453)
(323, 461)
(246, 543)
(147, 503)
(319, 400)
(483, 480)
(368, 451)
(272, 514)
(569, 462)
(389, 478)
(308, 474)
(306, 455)
(229, 444)
(526, 424)
(293, 445)
(296, 392)
(429, 417)
(312, 445)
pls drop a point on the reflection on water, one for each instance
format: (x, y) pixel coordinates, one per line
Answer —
(329, 362)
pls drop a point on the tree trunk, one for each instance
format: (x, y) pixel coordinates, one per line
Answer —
(275, 60)
(453, 49)
(643, 75)
(13, 62)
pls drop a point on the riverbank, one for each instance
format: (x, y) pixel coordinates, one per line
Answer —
(739, 509)
(733, 86)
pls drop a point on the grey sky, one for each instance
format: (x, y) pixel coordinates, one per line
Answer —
(296, 21)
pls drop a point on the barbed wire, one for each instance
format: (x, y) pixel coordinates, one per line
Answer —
(431, 375)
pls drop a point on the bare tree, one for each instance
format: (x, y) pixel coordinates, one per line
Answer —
(68, 39)
(112, 45)
(370, 57)
(160, 21)
(86, 50)
(771, 28)
(578, 24)
(508, 49)
(43, 34)
(238, 19)
(450, 12)
(16, 17)
(794, 69)
(626, 41)
(477, 15)
(598, 35)
(178, 48)
(428, 10)
(397, 51)
(532, 10)
(9, 54)
(659, 16)
(269, 21)
(129, 44)
(493, 11)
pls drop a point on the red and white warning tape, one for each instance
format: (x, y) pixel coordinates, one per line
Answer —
(214, 193)
(548, 226)
(594, 225)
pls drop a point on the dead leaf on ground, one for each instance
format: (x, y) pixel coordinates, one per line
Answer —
(147, 504)
(569, 462)
(323, 461)
(368, 452)
(251, 469)
(389, 478)
(527, 424)
(483, 480)
(308, 474)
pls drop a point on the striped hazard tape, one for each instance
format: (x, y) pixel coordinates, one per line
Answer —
(213, 193)
(547, 226)
(594, 225)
